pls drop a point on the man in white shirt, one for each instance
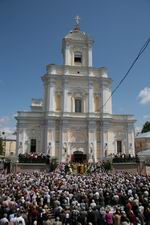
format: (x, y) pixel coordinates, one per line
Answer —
(4, 220)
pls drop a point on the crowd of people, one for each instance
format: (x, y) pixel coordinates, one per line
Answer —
(62, 197)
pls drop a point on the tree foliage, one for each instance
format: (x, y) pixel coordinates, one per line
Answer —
(107, 165)
(146, 127)
(53, 164)
(1, 146)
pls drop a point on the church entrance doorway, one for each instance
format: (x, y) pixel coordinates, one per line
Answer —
(78, 157)
(119, 147)
(33, 145)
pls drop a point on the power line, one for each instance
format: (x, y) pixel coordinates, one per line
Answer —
(127, 73)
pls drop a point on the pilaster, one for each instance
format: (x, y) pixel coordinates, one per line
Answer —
(104, 139)
(65, 96)
(130, 139)
(92, 156)
(90, 55)
(67, 58)
(49, 148)
(91, 96)
(64, 150)
(106, 99)
(51, 99)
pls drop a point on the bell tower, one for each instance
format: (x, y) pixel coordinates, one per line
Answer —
(77, 47)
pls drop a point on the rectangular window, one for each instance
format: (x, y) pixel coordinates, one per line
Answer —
(97, 103)
(78, 57)
(78, 105)
(119, 147)
(33, 145)
(58, 102)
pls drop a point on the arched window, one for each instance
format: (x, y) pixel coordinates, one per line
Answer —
(78, 105)
(78, 57)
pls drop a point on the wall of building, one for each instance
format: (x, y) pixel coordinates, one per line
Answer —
(10, 147)
(142, 144)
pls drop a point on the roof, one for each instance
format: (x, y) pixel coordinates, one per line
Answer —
(78, 35)
(144, 153)
(143, 135)
(10, 137)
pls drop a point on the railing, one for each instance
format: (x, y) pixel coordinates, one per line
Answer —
(27, 158)
(125, 159)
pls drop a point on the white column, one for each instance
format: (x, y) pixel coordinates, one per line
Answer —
(67, 56)
(19, 141)
(105, 143)
(72, 104)
(127, 141)
(18, 147)
(73, 100)
(50, 139)
(90, 56)
(106, 99)
(26, 140)
(46, 97)
(64, 147)
(91, 100)
(133, 141)
(92, 156)
(64, 142)
(65, 97)
(131, 138)
(52, 95)
(84, 104)
(53, 142)
(104, 140)
(44, 131)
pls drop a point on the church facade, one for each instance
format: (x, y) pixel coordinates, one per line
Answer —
(74, 118)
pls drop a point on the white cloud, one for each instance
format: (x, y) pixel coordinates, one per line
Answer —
(138, 129)
(146, 117)
(144, 96)
(4, 120)
(7, 124)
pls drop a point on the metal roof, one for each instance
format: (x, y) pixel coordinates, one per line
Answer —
(143, 135)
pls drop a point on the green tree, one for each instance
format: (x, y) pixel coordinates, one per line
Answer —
(108, 165)
(53, 164)
(1, 146)
(146, 127)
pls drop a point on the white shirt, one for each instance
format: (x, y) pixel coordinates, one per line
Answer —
(21, 219)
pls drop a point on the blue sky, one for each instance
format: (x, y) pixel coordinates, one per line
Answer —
(31, 32)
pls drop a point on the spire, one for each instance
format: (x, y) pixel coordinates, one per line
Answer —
(77, 25)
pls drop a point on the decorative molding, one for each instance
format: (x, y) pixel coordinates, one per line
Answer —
(78, 136)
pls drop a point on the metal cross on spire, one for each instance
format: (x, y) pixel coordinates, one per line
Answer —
(77, 19)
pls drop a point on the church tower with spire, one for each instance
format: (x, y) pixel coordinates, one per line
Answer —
(74, 121)
(77, 47)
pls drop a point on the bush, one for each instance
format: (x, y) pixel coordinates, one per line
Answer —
(53, 164)
(107, 165)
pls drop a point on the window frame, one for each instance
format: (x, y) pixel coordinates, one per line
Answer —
(77, 57)
(78, 105)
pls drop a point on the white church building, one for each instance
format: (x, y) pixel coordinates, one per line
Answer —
(74, 119)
